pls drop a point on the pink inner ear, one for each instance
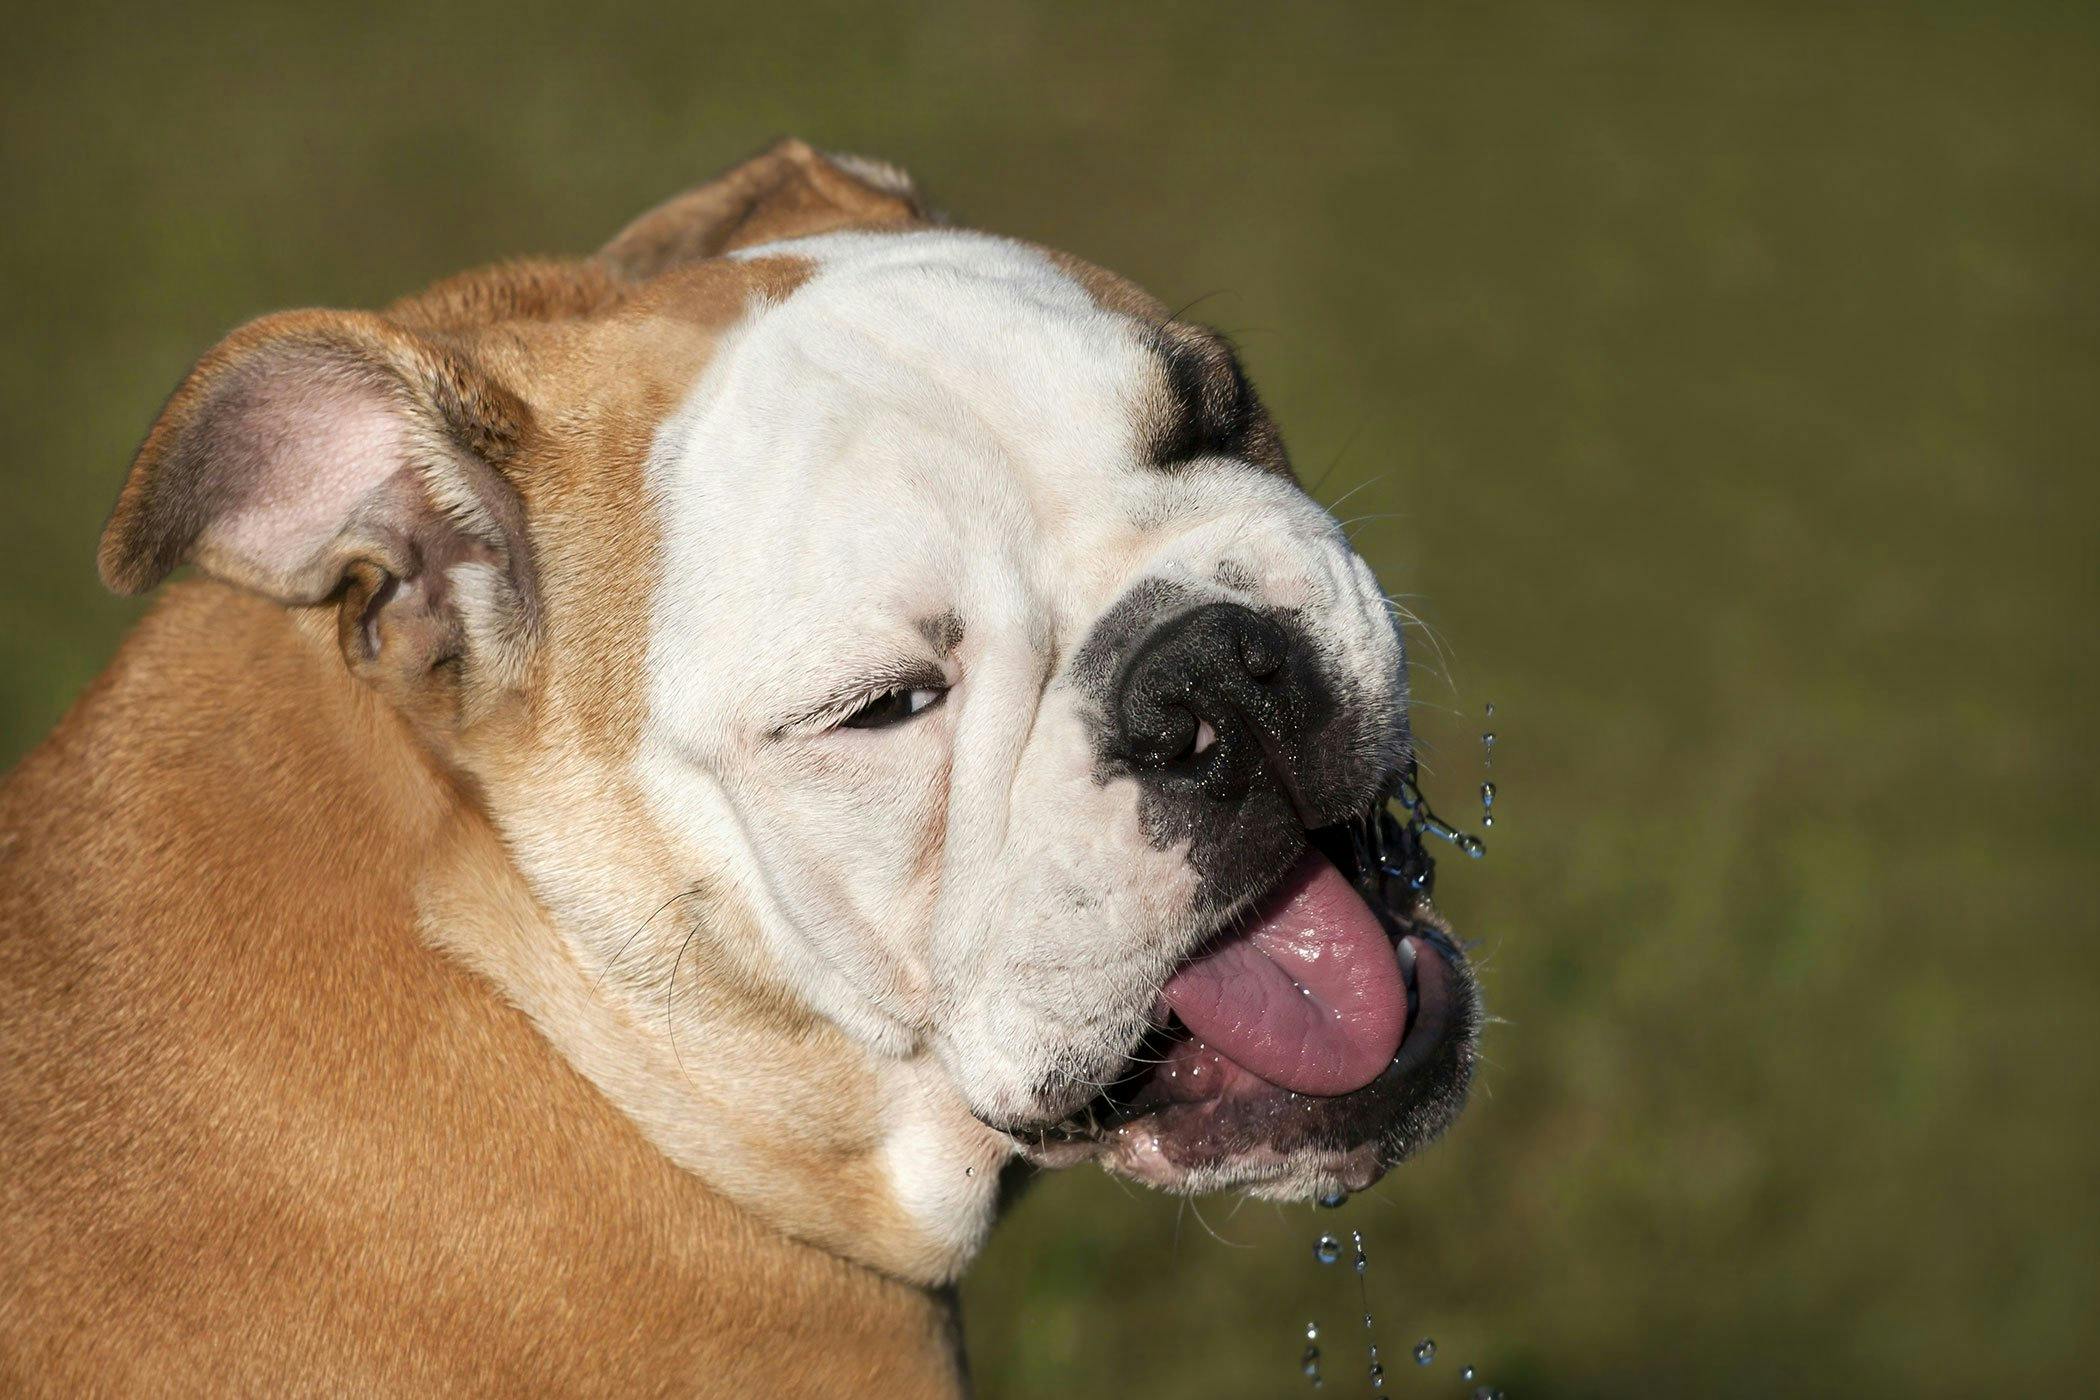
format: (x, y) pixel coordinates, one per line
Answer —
(308, 453)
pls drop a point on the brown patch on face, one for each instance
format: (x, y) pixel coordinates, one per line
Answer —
(1204, 406)
(1202, 403)
(603, 351)
(601, 364)
(1110, 291)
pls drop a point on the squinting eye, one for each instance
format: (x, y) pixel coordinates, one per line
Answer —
(895, 707)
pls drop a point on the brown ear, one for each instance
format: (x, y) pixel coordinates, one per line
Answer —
(317, 455)
(789, 192)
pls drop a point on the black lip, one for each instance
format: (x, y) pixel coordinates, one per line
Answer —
(1366, 1131)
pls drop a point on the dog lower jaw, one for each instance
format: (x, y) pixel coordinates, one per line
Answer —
(1276, 1145)
(1236, 1131)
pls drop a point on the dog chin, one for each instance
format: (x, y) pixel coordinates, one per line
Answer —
(1185, 1116)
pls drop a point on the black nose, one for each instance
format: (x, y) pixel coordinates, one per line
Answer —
(1210, 697)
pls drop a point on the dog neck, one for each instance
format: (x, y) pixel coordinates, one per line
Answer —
(870, 1157)
(229, 849)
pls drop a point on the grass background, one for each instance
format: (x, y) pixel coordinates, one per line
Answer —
(1718, 378)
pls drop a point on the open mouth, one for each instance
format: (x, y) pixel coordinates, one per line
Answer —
(1322, 1035)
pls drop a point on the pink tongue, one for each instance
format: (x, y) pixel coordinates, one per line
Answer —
(1308, 996)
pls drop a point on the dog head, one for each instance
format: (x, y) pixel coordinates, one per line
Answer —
(924, 716)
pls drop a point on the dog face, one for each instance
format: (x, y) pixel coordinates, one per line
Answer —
(926, 627)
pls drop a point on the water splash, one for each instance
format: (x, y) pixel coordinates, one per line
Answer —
(1363, 1294)
(1487, 774)
(1428, 823)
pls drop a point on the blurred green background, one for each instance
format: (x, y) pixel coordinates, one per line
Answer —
(1717, 380)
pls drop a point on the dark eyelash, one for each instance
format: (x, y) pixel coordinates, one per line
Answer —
(841, 703)
(879, 711)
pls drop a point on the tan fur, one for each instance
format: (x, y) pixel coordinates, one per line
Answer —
(790, 191)
(300, 1089)
(258, 1137)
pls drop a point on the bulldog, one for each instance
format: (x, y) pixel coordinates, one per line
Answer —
(673, 773)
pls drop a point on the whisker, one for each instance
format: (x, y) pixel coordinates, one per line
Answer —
(1192, 303)
(1335, 461)
(620, 951)
(1436, 641)
(1369, 481)
(670, 991)
(1367, 519)
(1198, 1211)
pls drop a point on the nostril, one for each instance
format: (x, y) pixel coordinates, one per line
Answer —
(1171, 735)
(1261, 649)
(1185, 696)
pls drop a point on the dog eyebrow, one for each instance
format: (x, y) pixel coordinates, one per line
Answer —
(1206, 406)
(943, 632)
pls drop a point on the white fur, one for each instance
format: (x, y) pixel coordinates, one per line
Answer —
(943, 422)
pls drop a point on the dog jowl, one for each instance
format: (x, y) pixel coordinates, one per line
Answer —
(737, 738)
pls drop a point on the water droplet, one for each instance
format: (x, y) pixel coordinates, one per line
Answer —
(1425, 1351)
(1429, 824)
(1487, 804)
(1362, 1263)
(1333, 1199)
(1310, 1362)
(969, 1171)
(1466, 1374)
(1377, 1376)
(1312, 1331)
(1327, 1249)
(1491, 709)
(1487, 741)
(1487, 1392)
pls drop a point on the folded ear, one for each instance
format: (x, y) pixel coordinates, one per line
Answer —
(789, 192)
(318, 455)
